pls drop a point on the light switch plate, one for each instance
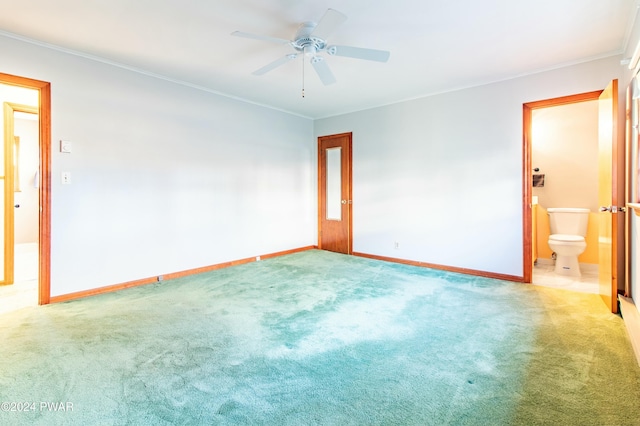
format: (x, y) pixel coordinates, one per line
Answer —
(66, 178)
(65, 146)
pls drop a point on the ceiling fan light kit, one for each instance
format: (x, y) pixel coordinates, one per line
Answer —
(310, 41)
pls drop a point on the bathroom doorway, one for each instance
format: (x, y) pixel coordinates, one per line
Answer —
(548, 157)
(564, 158)
(567, 170)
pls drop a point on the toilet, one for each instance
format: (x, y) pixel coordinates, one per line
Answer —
(567, 239)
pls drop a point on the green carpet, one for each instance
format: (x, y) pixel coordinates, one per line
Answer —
(317, 338)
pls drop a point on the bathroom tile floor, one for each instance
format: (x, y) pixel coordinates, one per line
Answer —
(544, 275)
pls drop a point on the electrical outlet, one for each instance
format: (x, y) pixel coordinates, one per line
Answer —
(396, 245)
(257, 258)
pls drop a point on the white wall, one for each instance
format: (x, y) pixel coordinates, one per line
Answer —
(634, 39)
(564, 146)
(442, 175)
(167, 178)
(164, 177)
(632, 233)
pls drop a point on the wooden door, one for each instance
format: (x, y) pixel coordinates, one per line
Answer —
(610, 212)
(335, 204)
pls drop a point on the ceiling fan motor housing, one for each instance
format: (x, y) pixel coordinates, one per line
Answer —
(305, 42)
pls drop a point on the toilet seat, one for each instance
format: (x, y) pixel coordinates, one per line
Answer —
(565, 238)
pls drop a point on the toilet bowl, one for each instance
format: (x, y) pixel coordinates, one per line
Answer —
(567, 249)
(568, 231)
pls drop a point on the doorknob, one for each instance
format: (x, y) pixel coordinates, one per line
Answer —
(613, 209)
(17, 206)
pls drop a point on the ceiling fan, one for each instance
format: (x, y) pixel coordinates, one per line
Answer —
(310, 40)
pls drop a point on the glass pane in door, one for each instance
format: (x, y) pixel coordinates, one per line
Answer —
(334, 183)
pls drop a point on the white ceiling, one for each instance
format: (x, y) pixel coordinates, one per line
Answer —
(436, 45)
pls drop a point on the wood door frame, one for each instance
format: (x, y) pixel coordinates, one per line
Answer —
(44, 222)
(527, 172)
(349, 194)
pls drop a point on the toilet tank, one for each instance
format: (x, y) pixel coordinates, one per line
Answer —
(569, 221)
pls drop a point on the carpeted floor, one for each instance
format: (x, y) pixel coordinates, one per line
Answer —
(317, 338)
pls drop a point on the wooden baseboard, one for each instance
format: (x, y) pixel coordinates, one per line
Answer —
(631, 318)
(466, 271)
(115, 287)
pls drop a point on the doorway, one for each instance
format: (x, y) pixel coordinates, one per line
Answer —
(604, 218)
(26, 185)
(19, 183)
(335, 204)
(528, 171)
(564, 156)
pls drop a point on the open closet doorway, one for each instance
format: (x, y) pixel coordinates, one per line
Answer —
(25, 200)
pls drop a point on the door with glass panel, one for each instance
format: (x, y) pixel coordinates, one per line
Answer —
(334, 193)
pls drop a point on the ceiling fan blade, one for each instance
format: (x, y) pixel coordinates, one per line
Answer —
(329, 22)
(359, 53)
(323, 70)
(260, 37)
(275, 64)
